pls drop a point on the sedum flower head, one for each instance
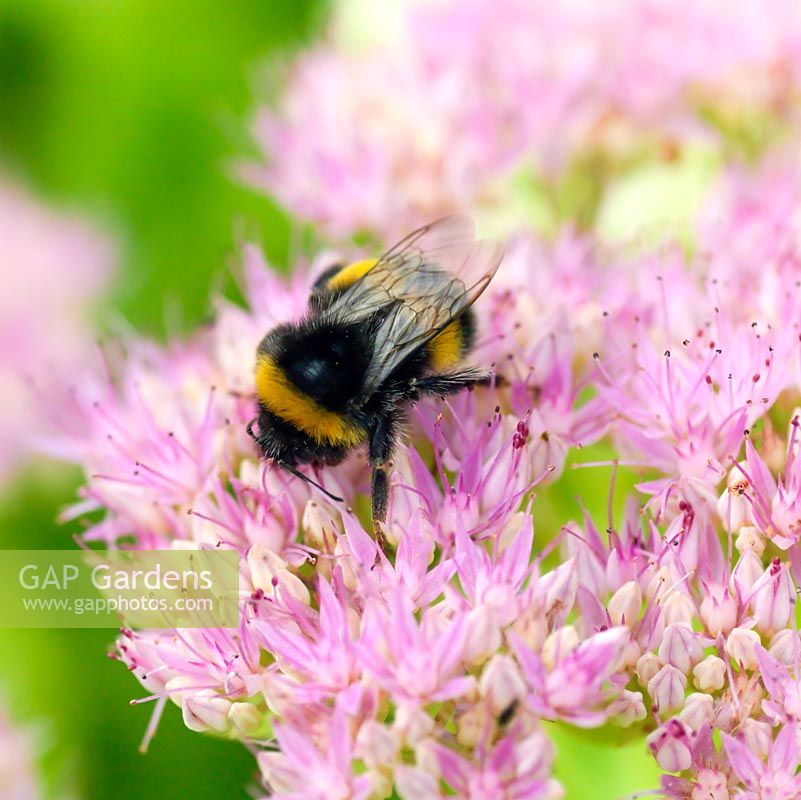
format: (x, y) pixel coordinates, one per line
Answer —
(53, 267)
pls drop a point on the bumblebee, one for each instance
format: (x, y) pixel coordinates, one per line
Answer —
(377, 336)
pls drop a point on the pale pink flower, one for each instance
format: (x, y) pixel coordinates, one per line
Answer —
(54, 267)
(315, 769)
(776, 780)
(17, 780)
(439, 117)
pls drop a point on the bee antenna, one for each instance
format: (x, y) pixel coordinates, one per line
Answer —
(307, 479)
(296, 473)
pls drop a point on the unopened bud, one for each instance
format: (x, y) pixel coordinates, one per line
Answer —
(625, 605)
(559, 644)
(246, 718)
(710, 674)
(470, 726)
(678, 607)
(484, 635)
(740, 645)
(750, 539)
(698, 709)
(667, 688)
(534, 756)
(747, 571)
(784, 646)
(718, 610)
(680, 647)
(648, 665)
(757, 737)
(268, 572)
(501, 683)
(318, 527)
(774, 600)
(671, 747)
(627, 709)
(206, 711)
(732, 506)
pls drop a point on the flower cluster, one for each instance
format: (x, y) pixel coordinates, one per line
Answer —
(16, 773)
(467, 94)
(52, 269)
(437, 666)
(430, 668)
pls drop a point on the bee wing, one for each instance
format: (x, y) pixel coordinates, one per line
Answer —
(416, 289)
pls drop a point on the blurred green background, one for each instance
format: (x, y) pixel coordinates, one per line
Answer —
(134, 111)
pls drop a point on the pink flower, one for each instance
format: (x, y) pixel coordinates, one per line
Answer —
(17, 780)
(776, 780)
(53, 266)
(513, 768)
(574, 689)
(480, 94)
(317, 769)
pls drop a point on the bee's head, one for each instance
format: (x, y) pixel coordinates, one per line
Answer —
(270, 445)
(287, 458)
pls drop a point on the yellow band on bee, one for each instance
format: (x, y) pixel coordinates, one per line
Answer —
(347, 276)
(279, 396)
(445, 349)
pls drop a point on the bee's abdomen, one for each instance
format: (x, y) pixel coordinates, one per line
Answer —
(450, 346)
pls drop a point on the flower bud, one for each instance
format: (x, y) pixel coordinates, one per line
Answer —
(501, 683)
(532, 628)
(747, 571)
(774, 600)
(709, 675)
(376, 744)
(678, 607)
(647, 666)
(671, 747)
(740, 646)
(784, 645)
(268, 572)
(732, 505)
(667, 688)
(627, 708)
(757, 737)
(718, 610)
(630, 655)
(560, 586)
(318, 527)
(412, 723)
(657, 584)
(483, 635)
(750, 539)
(680, 647)
(534, 756)
(206, 711)
(625, 605)
(470, 726)
(698, 709)
(246, 718)
(559, 644)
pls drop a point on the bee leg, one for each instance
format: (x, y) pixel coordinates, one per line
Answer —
(448, 382)
(380, 496)
(382, 440)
